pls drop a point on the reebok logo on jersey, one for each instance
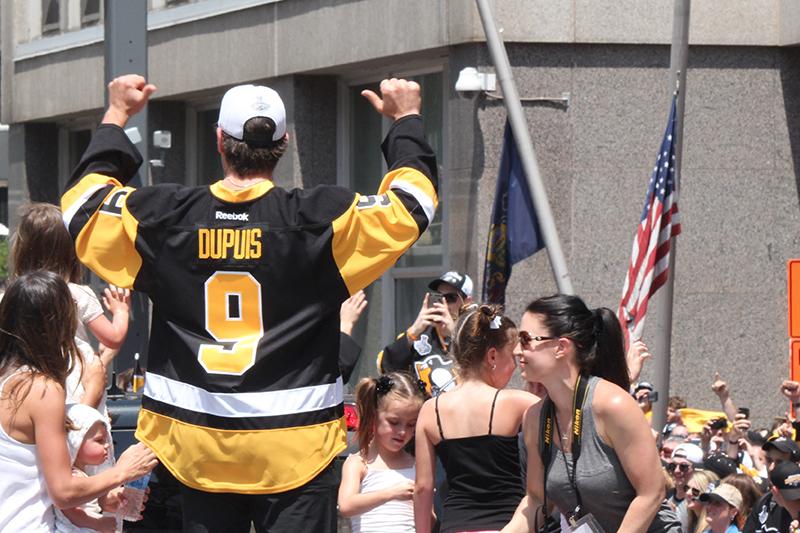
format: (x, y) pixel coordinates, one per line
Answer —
(244, 217)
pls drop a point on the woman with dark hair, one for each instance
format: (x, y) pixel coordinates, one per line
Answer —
(590, 449)
(37, 350)
(473, 429)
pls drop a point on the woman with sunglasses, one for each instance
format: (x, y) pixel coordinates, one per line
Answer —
(702, 481)
(590, 449)
(473, 429)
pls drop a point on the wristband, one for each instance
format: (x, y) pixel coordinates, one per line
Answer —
(411, 335)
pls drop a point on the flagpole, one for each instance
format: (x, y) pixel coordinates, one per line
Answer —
(519, 127)
(662, 345)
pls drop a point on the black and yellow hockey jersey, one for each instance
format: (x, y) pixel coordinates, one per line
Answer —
(242, 392)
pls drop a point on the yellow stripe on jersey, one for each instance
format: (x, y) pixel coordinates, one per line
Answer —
(245, 462)
(375, 231)
(106, 243)
(222, 192)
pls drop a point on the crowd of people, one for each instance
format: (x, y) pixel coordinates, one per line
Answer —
(255, 294)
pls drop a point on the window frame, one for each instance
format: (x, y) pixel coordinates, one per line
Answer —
(193, 109)
(94, 18)
(54, 27)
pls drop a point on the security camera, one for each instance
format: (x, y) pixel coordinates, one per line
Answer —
(471, 83)
(162, 139)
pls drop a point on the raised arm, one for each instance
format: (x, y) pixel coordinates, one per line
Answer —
(374, 231)
(97, 205)
(723, 392)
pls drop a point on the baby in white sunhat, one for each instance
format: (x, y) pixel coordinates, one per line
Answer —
(89, 443)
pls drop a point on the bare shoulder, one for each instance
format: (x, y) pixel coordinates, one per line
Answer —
(520, 398)
(611, 400)
(35, 389)
(426, 416)
(354, 463)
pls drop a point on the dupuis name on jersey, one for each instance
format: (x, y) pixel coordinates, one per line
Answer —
(243, 217)
(223, 243)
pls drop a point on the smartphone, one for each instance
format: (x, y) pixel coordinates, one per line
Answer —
(744, 411)
(434, 298)
(719, 423)
(652, 396)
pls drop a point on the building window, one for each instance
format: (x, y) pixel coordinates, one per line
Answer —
(395, 300)
(90, 12)
(51, 16)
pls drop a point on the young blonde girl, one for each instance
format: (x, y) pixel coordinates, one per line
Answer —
(378, 482)
(42, 242)
(37, 348)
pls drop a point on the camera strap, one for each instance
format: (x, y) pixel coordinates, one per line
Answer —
(547, 422)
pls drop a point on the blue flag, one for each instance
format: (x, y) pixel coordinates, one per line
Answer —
(514, 232)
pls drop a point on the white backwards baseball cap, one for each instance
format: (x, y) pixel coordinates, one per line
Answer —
(243, 102)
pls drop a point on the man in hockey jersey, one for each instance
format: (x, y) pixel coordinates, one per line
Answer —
(243, 397)
(422, 348)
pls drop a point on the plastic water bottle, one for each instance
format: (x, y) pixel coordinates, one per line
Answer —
(134, 494)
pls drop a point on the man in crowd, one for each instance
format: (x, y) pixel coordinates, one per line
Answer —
(685, 458)
(785, 489)
(423, 347)
(768, 516)
(243, 394)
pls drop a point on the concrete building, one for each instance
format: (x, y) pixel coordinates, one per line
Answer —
(741, 168)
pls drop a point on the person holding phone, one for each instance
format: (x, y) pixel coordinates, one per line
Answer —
(422, 348)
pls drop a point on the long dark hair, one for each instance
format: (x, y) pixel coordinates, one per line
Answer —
(596, 333)
(476, 334)
(37, 328)
(42, 242)
(372, 393)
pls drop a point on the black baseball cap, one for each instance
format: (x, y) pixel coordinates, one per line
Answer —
(643, 385)
(782, 444)
(720, 464)
(786, 478)
(461, 282)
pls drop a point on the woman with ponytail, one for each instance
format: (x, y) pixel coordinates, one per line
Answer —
(590, 450)
(473, 429)
(377, 484)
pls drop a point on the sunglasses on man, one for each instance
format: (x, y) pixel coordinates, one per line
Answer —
(683, 467)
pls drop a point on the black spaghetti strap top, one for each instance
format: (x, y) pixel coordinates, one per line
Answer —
(484, 477)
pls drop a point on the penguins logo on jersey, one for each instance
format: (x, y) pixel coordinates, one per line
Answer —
(436, 373)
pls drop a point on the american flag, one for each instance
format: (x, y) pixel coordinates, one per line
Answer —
(659, 222)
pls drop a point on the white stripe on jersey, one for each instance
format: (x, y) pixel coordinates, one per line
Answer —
(419, 195)
(243, 404)
(69, 213)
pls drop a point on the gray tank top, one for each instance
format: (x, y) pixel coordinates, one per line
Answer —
(605, 490)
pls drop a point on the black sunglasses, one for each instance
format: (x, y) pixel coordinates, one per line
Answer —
(526, 338)
(691, 490)
(451, 297)
(683, 467)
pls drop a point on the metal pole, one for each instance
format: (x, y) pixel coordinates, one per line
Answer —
(519, 126)
(126, 53)
(662, 345)
(125, 26)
